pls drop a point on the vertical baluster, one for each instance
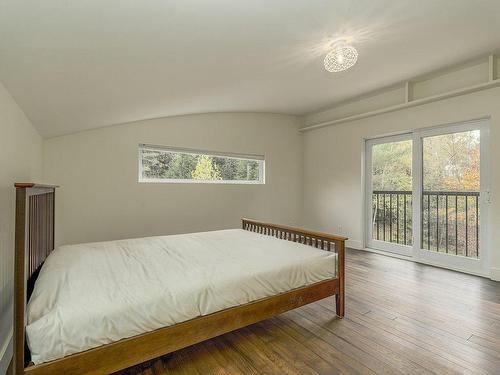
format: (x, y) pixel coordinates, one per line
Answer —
(404, 219)
(384, 218)
(422, 203)
(456, 224)
(466, 226)
(390, 217)
(446, 208)
(477, 226)
(428, 222)
(437, 223)
(377, 217)
(37, 231)
(397, 218)
(30, 231)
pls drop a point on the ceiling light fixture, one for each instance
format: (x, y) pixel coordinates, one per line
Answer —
(341, 57)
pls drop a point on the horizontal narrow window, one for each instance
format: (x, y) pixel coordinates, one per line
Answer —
(166, 164)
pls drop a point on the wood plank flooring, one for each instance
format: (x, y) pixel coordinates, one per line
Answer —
(401, 318)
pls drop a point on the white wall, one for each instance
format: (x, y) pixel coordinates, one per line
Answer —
(100, 198)
(20, 160)
(333, 162)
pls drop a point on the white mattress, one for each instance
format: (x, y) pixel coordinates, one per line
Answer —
(92, 294)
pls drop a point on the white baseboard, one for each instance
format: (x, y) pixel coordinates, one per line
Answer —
(495, 273)
(354, 244)
(6, 354)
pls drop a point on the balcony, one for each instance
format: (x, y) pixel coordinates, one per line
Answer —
(449, 220)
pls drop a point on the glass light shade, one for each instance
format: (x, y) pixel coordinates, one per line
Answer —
(340, 58)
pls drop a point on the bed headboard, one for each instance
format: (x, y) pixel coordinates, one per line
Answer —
(34, 240)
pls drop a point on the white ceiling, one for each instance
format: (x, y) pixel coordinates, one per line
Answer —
(75, 65)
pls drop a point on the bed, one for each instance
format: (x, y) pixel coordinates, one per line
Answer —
(100, 307)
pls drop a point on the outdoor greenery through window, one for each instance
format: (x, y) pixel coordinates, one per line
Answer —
(450, 196)
(162, 164)
(392, 192)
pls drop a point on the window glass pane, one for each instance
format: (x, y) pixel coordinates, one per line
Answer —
(391, 166)
(392, 192)
(451, 194)
(451, 162)
(171, 165)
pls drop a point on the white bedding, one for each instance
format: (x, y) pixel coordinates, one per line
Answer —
(92, 294)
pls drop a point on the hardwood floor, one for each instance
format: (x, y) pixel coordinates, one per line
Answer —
(401, 318)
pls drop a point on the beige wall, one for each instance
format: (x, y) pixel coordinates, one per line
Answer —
(100, 198)
(333, 162)
(20, 160)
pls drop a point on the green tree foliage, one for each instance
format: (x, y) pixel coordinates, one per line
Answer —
(392, 166)
(451, 162)
(158, 164)
(237, 169)
(174, 165)
(206, 169)
(181, 166)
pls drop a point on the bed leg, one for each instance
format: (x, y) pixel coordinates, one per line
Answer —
(340, 296)
(340, 304)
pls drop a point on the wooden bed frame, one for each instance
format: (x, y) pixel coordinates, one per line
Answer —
(34, 241)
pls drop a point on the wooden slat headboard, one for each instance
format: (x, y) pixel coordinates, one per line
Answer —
(34, 240)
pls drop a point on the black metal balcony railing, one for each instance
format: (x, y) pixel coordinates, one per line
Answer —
(392, 216)
(449, 220)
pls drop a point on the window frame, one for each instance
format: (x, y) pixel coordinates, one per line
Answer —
(181, 150)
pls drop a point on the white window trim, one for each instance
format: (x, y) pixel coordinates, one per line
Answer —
(259, 158)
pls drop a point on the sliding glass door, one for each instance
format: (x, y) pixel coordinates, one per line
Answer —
(390, 200)
(427, 195)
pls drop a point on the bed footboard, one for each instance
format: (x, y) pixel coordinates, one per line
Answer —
(319, 240)
(35, 212)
